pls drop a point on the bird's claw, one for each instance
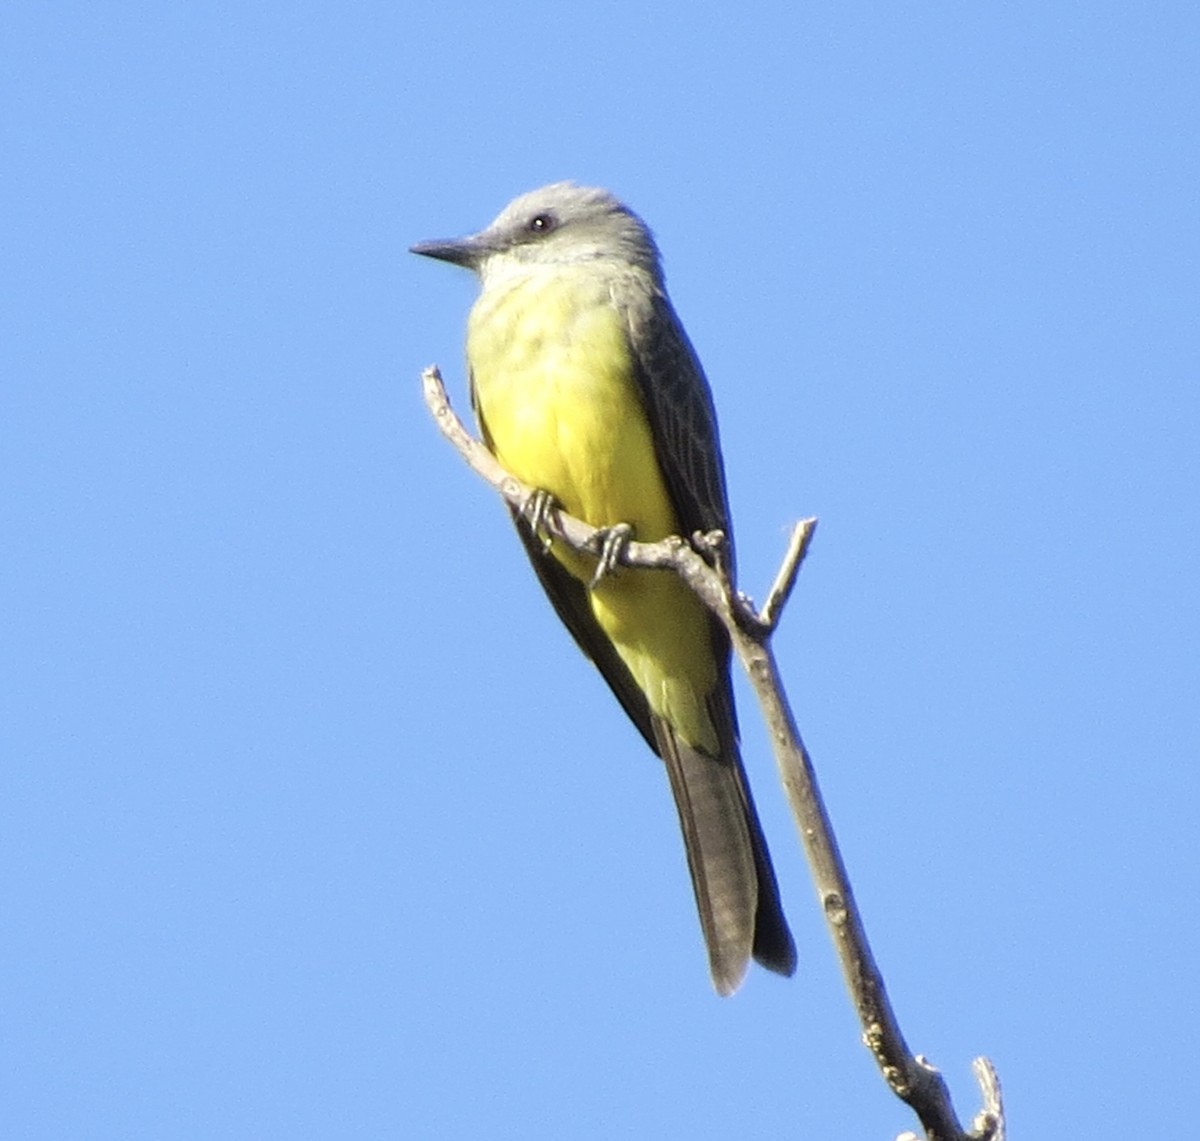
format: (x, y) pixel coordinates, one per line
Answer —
(612, 542)
(536, 513)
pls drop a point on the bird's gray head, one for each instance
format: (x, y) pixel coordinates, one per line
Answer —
(561, 224)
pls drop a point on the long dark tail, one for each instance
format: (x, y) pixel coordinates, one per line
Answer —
(732, 877)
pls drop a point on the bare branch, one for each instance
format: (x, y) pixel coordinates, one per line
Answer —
(911, 1078)
(781, 588)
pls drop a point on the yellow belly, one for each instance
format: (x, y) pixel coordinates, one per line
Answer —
(555, 386)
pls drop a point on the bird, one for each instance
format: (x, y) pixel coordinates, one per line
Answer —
(586, 387)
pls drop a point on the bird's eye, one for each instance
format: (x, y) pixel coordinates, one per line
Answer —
(542, 223)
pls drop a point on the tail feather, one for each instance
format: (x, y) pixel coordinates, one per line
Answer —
(773, 945)
(734, 883)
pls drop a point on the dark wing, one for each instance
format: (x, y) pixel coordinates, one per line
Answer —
(683, 422)
(679, 406)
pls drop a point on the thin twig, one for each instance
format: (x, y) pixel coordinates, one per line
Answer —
(781, 589)
(911, 1078)
(989, 1122)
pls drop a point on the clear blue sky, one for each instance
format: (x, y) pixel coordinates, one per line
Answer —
(313, 823)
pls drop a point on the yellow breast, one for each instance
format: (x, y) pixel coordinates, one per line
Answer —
(555, 385)
(556, 388)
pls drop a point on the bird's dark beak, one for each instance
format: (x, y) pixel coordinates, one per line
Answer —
(468, 252)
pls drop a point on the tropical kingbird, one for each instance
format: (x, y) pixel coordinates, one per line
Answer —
(587, 388)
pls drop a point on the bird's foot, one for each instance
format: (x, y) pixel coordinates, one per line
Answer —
(535, 511)
(612, 542)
